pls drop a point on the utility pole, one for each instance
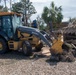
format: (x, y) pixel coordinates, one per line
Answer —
(26, 12)
(5, 3)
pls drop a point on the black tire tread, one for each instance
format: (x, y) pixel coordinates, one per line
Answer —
(4, 46)
(29, 48)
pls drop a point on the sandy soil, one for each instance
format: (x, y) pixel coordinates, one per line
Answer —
(15, 63)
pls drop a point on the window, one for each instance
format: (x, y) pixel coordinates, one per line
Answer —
(16, 20)
(7, 26)
(6, 22)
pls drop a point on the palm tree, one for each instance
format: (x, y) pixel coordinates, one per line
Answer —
(52, 15)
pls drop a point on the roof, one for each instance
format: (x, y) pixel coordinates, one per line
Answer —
(9, 13)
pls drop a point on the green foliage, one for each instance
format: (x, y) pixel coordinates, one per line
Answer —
(1, 7)
(40, 23)
(16, 7)
(59, 17)
(42, 27)
(53, 14)
(45, 14)
(5, 9)
(23, 0)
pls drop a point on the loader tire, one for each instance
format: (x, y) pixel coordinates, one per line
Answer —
(3, 46)
(26, 48)
(39, 47)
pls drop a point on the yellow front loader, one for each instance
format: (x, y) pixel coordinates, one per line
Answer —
(14, 36)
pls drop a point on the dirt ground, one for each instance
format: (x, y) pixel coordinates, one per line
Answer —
(15, 63)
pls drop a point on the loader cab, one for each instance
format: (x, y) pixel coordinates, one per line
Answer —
(6, 26)
(8, 23)
(16, 22)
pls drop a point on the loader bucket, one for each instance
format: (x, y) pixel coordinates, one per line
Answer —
(57, 45)
(59, 54)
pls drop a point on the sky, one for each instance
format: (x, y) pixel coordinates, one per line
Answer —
(68, 6)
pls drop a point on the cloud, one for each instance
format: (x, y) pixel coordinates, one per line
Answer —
(8, 2)
(68, 6)
(39, 1)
